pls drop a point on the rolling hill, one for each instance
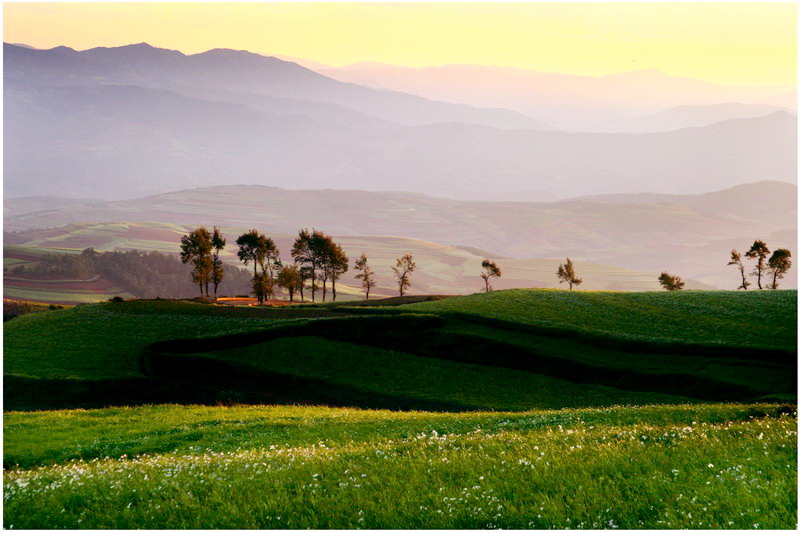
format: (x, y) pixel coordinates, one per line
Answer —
(580, 354)
(687, 234)
(614, 340)
(441, 268)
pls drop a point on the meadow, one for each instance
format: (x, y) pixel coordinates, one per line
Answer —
(512, 409)
(728, 466)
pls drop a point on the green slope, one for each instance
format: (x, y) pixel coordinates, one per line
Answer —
(502, 350)
(762, 319)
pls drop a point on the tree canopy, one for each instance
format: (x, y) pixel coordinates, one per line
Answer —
(566, 274)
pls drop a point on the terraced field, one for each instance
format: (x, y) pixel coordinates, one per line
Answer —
(54, 290)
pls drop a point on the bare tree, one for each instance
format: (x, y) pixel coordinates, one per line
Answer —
(736, 259)
(365, 274)
(490, 269)
(566, 274)
(405, 266)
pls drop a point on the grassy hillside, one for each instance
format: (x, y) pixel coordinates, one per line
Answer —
(754, 318)
(618, 452)
(508, 349)
(707, 467)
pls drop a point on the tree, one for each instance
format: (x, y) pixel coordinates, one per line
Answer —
(250, 249)
(305, 275)
(310, 251)
(304, 254)
(566, 274)
(758, 251)
(259, 249)
(270, 265)
(405, 266)
(196, 249)
(736, 259)
(289, 278)
(490, 269)
(260, 285)
(779, 264)
(671, 283)
(365, 273)
(217, 271)
(335, 263)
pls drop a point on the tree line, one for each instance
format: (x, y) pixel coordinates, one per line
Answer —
(776, 266)
(318, 263)
(141, 273)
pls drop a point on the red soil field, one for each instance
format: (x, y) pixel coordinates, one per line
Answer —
(22, 256)
(96, 285)
(249, 301)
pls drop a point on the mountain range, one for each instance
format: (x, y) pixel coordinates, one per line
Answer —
(129, 121)
(616, 102)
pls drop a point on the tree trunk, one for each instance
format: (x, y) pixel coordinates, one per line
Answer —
(744, 278)
(367, 293)
(313, 284)
(774, 280)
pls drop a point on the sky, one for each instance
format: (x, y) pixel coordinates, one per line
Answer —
(726, 43)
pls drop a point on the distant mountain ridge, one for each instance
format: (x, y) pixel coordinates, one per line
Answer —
(235, 71)
(129, 121)
(569, 102)
(125, 141)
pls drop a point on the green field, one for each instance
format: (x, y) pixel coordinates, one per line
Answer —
(293, 467)
(513, 409)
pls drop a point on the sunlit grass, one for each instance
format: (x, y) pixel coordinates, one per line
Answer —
(660, 467)
(763, 319)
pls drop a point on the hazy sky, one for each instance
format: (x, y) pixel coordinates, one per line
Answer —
(734, 43)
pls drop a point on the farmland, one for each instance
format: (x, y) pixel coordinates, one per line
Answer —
(512, 409)
(443, 269)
